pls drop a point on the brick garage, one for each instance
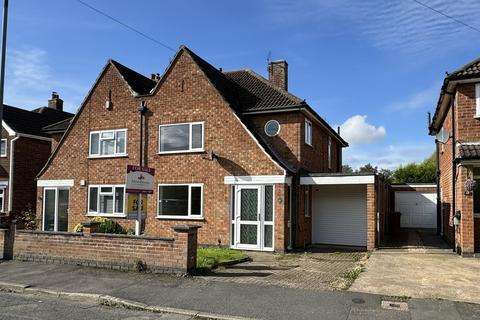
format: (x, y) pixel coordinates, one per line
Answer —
(345, 209)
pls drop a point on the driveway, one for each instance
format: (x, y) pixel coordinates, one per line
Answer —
(317, 271)
(421, 271)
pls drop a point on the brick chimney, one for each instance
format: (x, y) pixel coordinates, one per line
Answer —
(55, 103)
(278, 73)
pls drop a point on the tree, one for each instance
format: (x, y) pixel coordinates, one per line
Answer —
(423, 172)
(368, 168)
(347, 169)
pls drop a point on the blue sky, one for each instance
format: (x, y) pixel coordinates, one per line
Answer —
(374, 67)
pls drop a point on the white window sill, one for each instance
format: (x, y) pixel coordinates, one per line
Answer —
(308, 144)
(109, 156)
(107, 215)
(476, 215)
(180, 218)
(181, 152)
(477, 116)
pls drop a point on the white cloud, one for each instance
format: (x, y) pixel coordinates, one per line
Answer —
(356, 130)
(391, 25)
(29, 80)
(424, 99)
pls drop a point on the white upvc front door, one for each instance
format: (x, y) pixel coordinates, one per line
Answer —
(253, 217)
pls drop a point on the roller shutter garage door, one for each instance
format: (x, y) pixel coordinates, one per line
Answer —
(419, 210)
(339, 215)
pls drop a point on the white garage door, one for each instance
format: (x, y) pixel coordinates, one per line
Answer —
(339, 215)
(419, 210)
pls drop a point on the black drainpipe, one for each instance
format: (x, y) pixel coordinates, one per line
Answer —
(454, 167)
(439, 203)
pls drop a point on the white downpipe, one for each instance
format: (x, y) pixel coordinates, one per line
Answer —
(10, 174)
(290, 231)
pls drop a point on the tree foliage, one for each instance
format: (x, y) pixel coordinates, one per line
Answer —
(423, 172)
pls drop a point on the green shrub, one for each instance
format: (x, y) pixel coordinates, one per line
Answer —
(106, 226)
(27, 218)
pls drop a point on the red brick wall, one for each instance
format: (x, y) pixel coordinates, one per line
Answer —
(477, 234)
(371, 216)
(30, 157)
(467, 126)
(465, 232)
(445, 166)
(177, 254)
(184, 96)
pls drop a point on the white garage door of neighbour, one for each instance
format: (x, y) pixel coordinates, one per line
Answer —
(339, 215)
(418, 209)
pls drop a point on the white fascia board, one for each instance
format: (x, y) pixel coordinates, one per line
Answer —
(31, 136)
(3, 183)
(10, 131)
(414, 185)
(332, 180)
(55, 183)
(257, 179)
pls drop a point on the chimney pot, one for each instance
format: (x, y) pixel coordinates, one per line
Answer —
(278, 73)
(55, 102)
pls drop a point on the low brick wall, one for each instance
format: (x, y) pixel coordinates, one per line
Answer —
(111, 251)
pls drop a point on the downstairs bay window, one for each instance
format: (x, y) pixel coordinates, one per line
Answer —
(180, 201)
(106, 200)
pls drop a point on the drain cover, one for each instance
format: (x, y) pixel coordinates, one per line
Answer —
(394, 305)
(358, 300)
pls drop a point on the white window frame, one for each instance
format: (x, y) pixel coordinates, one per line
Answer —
(329, 152)
(103, 214)
(115, 154)
(477, 100)
(4, 155)
(189, 216)
(190, 149)
(308, 132)
(2, 196)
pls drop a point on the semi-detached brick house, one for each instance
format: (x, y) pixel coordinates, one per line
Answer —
(232, 151)
(24, 150)
(456, 123)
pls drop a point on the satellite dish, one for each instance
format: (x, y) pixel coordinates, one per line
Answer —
(443, 136)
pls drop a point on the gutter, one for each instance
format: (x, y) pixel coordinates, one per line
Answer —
(10, 173)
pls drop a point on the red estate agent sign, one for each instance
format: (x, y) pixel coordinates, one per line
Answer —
(139, 179)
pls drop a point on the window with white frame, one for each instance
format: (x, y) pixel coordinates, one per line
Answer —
(477, 99)
(329, 152)
(2, 199)
(180, 201)
(106, 199)
(108, 143)
(3, 148)
(308, 132)
(181, 137)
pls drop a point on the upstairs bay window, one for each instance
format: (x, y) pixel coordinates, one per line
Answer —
(108, 143)
(182, 201)
(181, 137)
(106, 200)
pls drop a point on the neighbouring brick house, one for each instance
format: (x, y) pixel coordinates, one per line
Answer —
(456, 124)
(24, 150)
(232, 151)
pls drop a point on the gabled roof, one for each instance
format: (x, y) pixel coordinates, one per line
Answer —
(32, 122)
(136, 81)
(470, 70)
(58, 127)
(255, 93)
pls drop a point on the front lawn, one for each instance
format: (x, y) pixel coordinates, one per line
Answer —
(212, 257)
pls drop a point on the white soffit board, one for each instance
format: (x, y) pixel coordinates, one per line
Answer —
(256, 179)
(328, 180)
(55, 183)
(7, 128)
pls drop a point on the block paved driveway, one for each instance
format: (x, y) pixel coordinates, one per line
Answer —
(421, 271)
(317, 271)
